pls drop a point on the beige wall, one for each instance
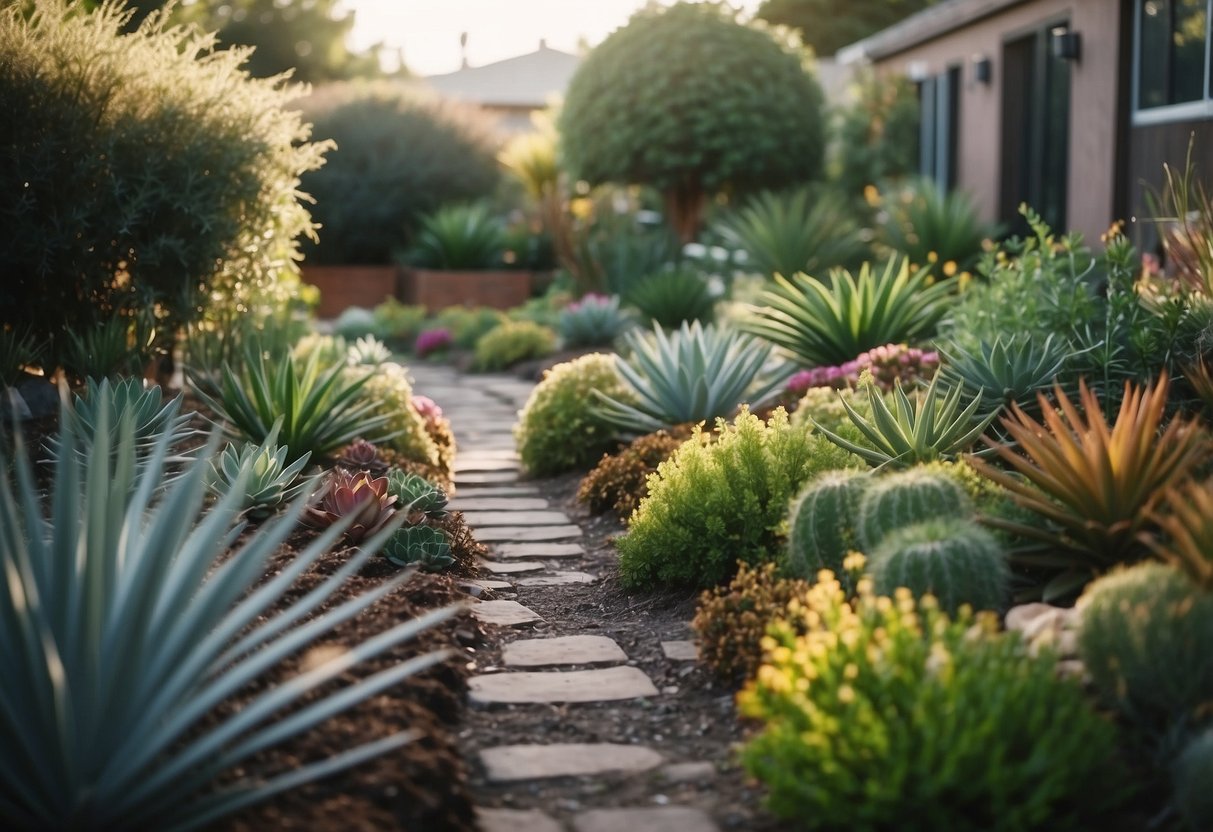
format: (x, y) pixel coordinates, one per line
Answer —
(1093, 103)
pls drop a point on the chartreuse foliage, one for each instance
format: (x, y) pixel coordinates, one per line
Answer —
(130, 622)
(694, 374)
(1146, 640)
(882, 713)
(828, 323)
(688, 100)
(557, 431)
(713, 505)
(511, 342)
(1096, 485)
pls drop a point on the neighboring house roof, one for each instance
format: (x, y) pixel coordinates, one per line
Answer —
(525, 81)
(926, 25)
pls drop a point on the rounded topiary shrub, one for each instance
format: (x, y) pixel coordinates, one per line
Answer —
(692, 102)
(512, 342)
(140, 171)
(1146, 640)
(557, 430)
(907, 497)
(400, 155)
(952, 559)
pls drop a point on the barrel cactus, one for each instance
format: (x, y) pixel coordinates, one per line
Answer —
(424, 546)
(822, 526)
(1146, 639)
(907, 497)
(951, 558)
(1192, 775)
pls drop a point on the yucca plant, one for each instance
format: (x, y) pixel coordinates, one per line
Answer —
(359, 498)
(794, 231)
(117, 347)
(1185, 517)
(265, 478)
(912, 431)
(932, 227)
(367, 351)
(319, 405)
(593, 321)
(459, 237)
(129, 623)
(672, 296)
(824, 325)
(694, 374)
(18, 349)
(1012, 369)
(1096, 486)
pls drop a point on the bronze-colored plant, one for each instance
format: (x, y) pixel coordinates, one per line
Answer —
(1187, 524)
(1097, 486)
(620, 481)
(365, 497)
(361, 455)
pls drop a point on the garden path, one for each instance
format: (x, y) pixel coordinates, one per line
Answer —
(536, 547)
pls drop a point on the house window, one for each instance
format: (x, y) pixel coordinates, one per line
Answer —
(1174, 70)
(939, 127)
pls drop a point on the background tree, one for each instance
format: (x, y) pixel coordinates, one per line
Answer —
(693, 103)
(877, 135)
(829, 25)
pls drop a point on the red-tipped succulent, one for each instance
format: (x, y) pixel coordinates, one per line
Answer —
(360, 495)
(361, 455)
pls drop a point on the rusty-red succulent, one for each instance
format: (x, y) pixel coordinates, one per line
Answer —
(360, 495)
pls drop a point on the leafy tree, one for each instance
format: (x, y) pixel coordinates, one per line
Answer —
(694, 103)
(878, 134)
(829, 25)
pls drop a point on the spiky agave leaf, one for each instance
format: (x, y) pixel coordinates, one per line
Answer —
(367, 351)
(1185, 516)
(126, 622)
(1096, 486)
(1012, 369)
(914, 431)
(269, 481)
(694, 374)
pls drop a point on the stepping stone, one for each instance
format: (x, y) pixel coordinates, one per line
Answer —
(525, 534)
(688, 772)
(487, 584)
(680, 651)
(479, 463)
(507, 763)
(538, 550)
(508, 568)
(605, 685)
(473, 492)
(559, 579)
(504, 613)
(511, 455)
(486, 477)
(539, 652)
(515, 820)
(481, 504)
(660, 819)
(478, 519)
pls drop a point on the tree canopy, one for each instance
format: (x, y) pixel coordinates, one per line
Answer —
(694, 103)
(829, 25)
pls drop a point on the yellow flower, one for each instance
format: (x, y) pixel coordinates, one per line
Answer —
(846, 694)
(871, 195)
(932, 257)
(949, 268)
(963, 280)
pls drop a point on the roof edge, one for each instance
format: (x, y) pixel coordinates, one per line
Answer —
(919, 28)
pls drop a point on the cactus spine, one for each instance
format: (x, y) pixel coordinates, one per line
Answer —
(953, 559)
(1147, 640)
(823, 517)
(908, 497)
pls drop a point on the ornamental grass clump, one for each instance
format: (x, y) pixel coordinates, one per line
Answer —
(883, 713)
(711, 506)
(132, 622)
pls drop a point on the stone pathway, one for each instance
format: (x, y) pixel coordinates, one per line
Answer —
(529, 540)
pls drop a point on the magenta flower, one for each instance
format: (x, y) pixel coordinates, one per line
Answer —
(433, 340)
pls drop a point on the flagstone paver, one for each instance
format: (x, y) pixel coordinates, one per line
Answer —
(537, 550)
(543, 652)
(513, 566)
(694, 772)
(659, 819)
(482, 504)
(680, 651)
(505, 613)
(488, 584)
(486, 478)
(479, 492)
(508, 763)
(526, 534)
(478, 519)
(559, 579)
(602, 685)
(464, 464)
(515, 820)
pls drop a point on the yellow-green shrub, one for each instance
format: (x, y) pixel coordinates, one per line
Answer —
(511, 342)
(558, 430)
(884, 714)
(392, 394)
(710, 506)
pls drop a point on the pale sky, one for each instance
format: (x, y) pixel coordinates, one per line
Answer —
(428, 30)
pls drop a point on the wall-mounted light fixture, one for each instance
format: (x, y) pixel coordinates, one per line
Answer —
(918, 71)
(1067, 45)
(983, 69)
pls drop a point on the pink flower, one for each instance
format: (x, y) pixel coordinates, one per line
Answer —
(427, 408)
(432, 340)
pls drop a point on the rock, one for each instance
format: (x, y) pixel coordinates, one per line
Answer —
(538, 550)
(476, 503)
(603, 685)
(509, 568)
(478, 519)
(515, 820)
(680, 651)
(540, 652)
(509, 763)
(662, 819)
(1019, 617)
(524, 534)
(688, 772)
(504, 613)
(559, 579)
